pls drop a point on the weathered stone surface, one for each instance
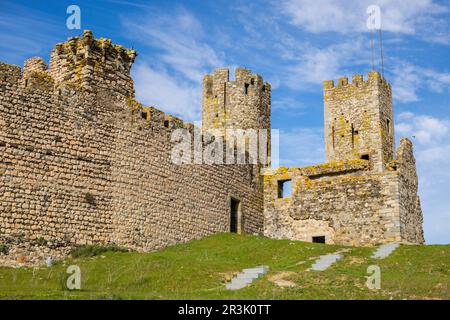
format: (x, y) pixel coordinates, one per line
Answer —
(242, 104)
(82, 164)
(350, 200)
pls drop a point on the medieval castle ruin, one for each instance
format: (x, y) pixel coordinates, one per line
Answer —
(82, 162)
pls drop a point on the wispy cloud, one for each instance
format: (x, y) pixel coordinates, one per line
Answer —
(301, 146)
(180, 39)
(344, 16)
(313, 65)
(409, 79)
(154, 86)
(182, 58)
(288, 106)
(431, 135)
(25, 32)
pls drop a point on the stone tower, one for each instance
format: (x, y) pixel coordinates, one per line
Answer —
(240, 104)
(93, 65)
(359, 120)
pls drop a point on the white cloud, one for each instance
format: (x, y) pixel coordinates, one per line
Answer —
(312, 65)
(431, 135)
(345, 16)
(408, 79)
(288, 106)
(180, 39)
(157, 88)
(301, 146)
(171, 78)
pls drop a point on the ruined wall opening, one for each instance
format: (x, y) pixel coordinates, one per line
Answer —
(246, 88)
(234, 215)
(284, 188)
(365, 157)
(318, 239)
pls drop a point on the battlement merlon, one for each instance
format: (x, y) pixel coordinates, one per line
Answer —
(10, 73)
(34, 64)
(93, 64)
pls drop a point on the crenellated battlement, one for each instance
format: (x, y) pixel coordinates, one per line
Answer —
(220, 76)
(374, 79)
(93, 64)
(84, 162)
(82, 62)
(87, 64)
(154, 117)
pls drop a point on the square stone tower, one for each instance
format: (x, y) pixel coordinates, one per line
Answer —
(359, 120)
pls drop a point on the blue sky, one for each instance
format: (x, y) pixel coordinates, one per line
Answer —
(293, 44)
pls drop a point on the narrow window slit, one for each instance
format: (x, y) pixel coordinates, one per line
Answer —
(246, 88)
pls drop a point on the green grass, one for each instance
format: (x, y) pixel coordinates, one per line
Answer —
(200, 269)
(94, 250)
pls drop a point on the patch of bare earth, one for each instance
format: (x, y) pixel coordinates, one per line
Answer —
(279, 279)
(227, 276)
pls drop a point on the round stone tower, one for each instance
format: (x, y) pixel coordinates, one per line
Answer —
(242, 104)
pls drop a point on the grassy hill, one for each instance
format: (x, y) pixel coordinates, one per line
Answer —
(200, 269)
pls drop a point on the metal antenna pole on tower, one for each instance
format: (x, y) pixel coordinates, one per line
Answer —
(381, 52)
(372, 46)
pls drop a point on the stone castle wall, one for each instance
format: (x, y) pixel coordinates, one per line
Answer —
(342, 201)
(351, 199)
(346, 202)
(83, 163)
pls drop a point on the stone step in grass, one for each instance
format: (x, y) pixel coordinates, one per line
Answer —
(385, 250)
(246, 277)
(325, 261)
